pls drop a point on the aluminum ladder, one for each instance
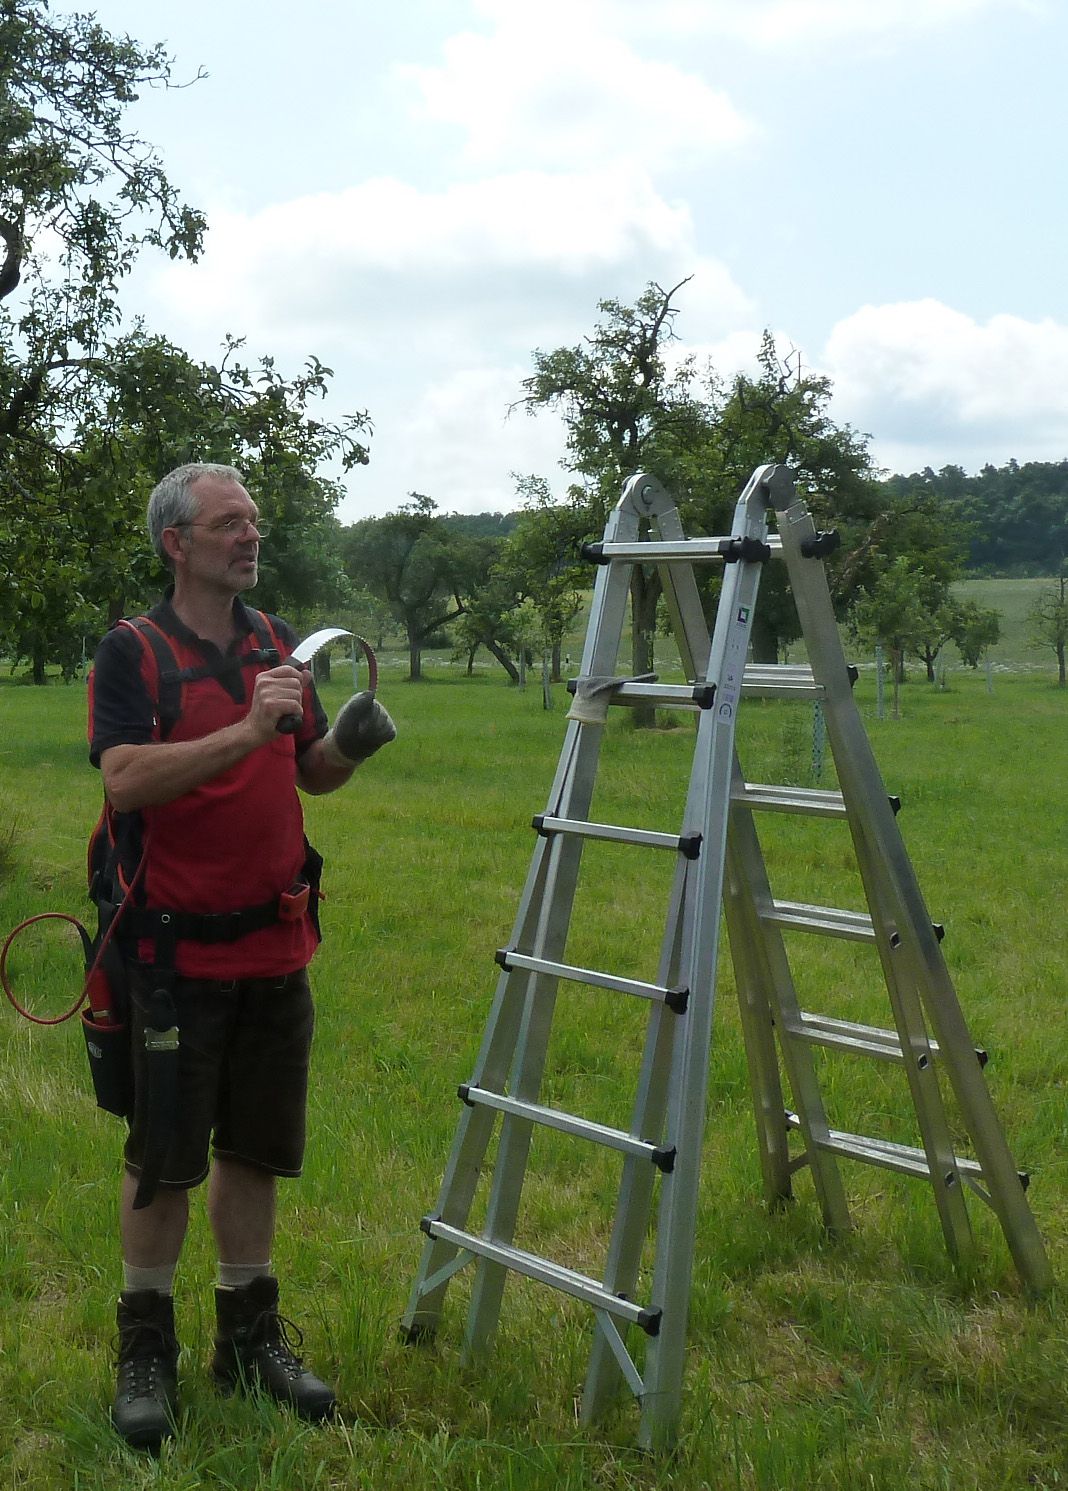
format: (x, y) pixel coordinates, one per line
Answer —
(719, 863)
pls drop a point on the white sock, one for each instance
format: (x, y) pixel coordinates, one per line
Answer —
(238, 1275)
(161, 1278)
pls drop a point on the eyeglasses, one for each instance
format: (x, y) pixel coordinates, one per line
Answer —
(232, 527)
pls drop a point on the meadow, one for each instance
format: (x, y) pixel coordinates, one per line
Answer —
(865, 1362)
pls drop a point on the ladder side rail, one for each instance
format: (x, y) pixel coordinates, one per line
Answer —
(862, 783)
(635, 1200)
(767, 999)
(708, 805)
(572, 800)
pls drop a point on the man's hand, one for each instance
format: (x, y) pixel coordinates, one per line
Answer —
(275, 694)
(361, 728)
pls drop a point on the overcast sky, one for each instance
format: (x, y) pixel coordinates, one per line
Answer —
(421, 193)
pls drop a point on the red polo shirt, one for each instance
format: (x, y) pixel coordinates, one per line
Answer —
(236, 841)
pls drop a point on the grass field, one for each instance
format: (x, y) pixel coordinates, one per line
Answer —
(865, 1363)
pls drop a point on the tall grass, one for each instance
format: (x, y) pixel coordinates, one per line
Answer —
(867, 1362)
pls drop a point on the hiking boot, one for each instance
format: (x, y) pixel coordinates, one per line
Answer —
(146, 1398)
(254, 1348)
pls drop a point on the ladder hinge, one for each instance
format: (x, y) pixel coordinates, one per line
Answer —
(690, 845)
(538, 822)
(500, 957)
(664, 1158)
(594, 553)
(822, 545)
(462, 1093)
(677, 999)
(733, 549)
(704, 696)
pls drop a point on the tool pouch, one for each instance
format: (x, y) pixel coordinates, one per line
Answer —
(106, 1028)
(108, 1049)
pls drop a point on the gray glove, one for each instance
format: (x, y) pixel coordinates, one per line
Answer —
(361, 727)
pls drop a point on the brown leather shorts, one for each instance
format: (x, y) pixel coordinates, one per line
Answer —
(243, 1053)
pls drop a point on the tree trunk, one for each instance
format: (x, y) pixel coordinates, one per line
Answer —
(929, 660)
(1061, 678)
(415, 657)
(897, 671)
(557, 677)
(504, 660)
(38, 663)
(321, 666)
(644, 593)
(764, 639)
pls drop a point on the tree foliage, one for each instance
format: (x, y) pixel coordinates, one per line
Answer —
(1049, 623)
(92, 414)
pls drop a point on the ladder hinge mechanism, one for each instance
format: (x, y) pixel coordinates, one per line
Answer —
(733, 549)
(822, 545)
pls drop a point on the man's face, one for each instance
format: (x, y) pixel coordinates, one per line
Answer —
(220, 547)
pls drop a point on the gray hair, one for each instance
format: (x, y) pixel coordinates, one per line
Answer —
(172, 501)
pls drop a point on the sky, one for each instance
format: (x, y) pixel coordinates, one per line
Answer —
(422, 193)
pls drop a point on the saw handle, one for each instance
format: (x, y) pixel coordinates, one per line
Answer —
(289, 724)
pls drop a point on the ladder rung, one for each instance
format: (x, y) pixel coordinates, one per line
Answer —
(680, 551)
(546, 1272)
(847, 1035)
(675, 999)
(759, 681)
(546, 824)
(855, 925)
(567, 1123)
(901, 1157)
(811, 800)
(780, 681)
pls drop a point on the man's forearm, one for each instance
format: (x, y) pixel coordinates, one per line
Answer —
(316, 775)
(146, 776)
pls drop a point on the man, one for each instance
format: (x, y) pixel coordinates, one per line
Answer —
(225, 926)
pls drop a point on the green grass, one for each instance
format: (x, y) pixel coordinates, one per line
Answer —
(868, 1362)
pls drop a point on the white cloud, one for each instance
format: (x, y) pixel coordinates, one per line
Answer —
(777, 24)
(553, 86)
(934, 385)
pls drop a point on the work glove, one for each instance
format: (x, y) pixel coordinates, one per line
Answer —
(361, 727)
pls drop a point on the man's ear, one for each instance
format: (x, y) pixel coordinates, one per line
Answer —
(171, 539)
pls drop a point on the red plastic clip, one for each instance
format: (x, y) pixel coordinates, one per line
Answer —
(293, 903)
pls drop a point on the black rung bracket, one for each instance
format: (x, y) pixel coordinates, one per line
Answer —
(939, 931)
(426, 1225)
(462, 1093)
(1024, 1178)
(593, 553)
(500, 957)
(852, 673)
(649, 1320)
(822, 545)
(704, 695)
(538, 823)
(664, 1158)
(895, 804)
(690, 845)
(981, 1056)
(731, 550)
(677, 999)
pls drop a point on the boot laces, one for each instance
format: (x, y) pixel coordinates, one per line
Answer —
(142, 1352)
(271, 1331)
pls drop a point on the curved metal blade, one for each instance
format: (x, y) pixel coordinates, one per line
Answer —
(311, 645)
